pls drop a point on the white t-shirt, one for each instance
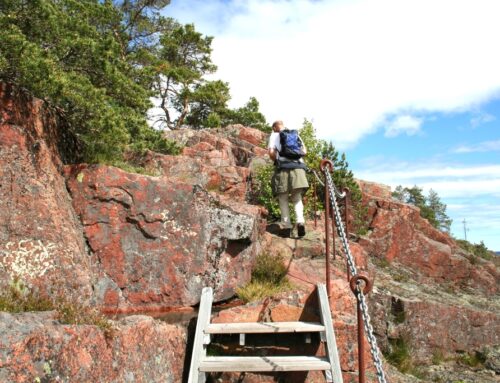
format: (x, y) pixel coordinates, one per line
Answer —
(274, 143)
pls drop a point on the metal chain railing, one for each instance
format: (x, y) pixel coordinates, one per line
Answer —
(352, 267)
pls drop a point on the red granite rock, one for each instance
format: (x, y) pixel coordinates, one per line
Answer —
(41, 242)
(397, 232)
(159, 242)
(34, 347)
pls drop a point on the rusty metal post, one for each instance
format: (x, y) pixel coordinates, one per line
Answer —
(323, 166)
(353, 283)
(346, 220)
(327, 240)
(315, 204)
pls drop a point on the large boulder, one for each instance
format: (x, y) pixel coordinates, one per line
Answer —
(159, 241)
(41, 242)
(36, 348)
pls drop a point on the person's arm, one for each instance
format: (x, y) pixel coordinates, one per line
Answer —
(272, 153)
(271, 148)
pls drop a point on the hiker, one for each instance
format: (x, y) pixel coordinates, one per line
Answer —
(289, 178)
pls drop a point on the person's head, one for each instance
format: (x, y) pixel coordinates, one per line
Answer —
(277, 126)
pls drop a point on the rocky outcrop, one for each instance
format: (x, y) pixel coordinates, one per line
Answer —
(397, 233)
(217, 160)
(36, 348)
(159, 241)
(129, 242)
(41, 242)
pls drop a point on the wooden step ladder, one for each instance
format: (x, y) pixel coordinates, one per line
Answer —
(201, 363)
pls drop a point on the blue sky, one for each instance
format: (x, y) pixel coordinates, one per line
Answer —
(409, 89)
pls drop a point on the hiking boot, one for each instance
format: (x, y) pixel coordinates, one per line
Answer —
(285, 233)
(301, 230)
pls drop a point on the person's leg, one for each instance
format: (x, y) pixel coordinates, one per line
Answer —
(284, 209)
(297, 205)
(299, 211)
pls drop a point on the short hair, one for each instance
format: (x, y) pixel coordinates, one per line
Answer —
(277, 123)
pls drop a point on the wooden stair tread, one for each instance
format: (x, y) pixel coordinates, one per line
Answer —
(263, 363)
(263, 327)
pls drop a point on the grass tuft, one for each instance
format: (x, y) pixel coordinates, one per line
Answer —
(476, 359)
(19, 298)
(268, 278)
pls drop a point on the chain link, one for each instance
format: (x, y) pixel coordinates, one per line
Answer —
(352, 267)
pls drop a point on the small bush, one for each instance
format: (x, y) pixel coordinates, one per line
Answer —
(269, 268)
(400, 355)
(73, 313)
(438, 357)
(18, 298)
(268, 278)
(262, 190)
(477, 249)
(476, 359)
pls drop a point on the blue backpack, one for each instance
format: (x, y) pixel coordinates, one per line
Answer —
(291, 145)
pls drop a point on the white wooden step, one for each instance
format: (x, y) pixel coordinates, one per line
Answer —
(263, 363)
(263, 327)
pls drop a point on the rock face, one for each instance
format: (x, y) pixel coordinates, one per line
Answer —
(217, 160)
(158, 242)
(41, 241)
(35, 348)
(128, 242)
(397, 233)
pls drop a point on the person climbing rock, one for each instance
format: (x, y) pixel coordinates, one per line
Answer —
(289, 180)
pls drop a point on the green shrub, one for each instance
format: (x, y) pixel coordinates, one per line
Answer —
(476, 249)
(475, 359)
(269, 268)
(342, 177)
(400, 355)
(262, 192)
(18, 298)
(268, 278)
(437, 357)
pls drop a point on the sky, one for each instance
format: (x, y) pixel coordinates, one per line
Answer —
(408, 89)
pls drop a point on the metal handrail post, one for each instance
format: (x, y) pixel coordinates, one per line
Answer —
(354, 284)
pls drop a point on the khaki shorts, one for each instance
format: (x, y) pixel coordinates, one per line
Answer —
(287, 180)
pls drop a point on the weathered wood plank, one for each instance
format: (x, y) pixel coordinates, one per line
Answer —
(199, 350)
(331, 342)
(263, 327)
(264, 363)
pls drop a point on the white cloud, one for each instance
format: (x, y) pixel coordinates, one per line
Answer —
(447, 181)
(486, 146)
(470, 192)
(403, 124)
(481, 119)
(347, 65)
